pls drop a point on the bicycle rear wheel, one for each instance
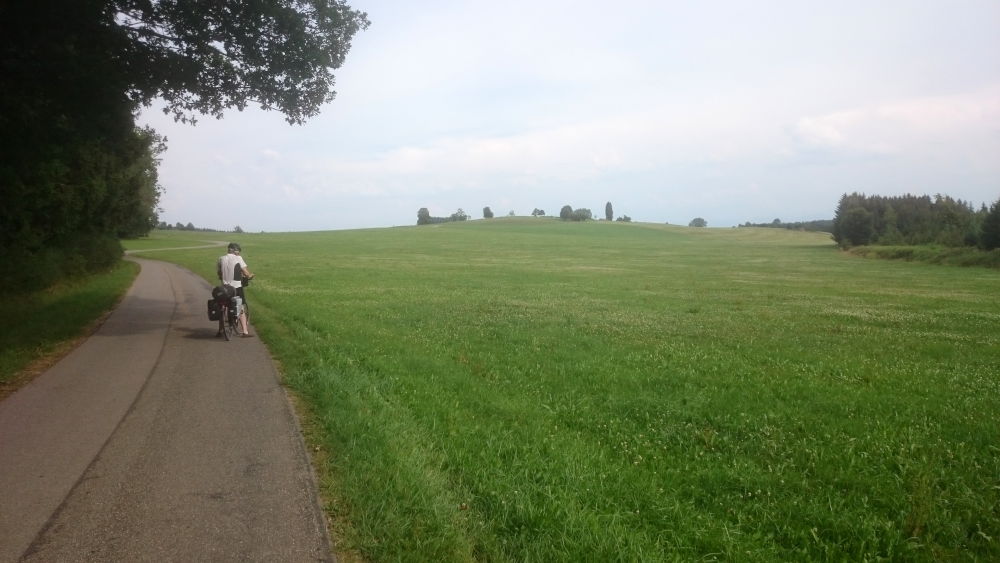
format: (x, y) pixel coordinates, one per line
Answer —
(223, 314)
(224, 323)
(232, 322)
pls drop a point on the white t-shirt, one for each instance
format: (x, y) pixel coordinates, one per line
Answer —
(227, 264)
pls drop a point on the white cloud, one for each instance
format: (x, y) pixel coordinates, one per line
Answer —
(906, 125)
(650, 139)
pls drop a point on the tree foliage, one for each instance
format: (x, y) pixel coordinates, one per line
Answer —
(178, 226)
(567, 213)
(76, 171)
(424, 217)
(487, 213)
(609, 212)
(207, 57)
(855, 226)
(990, 238)
(698, 222)
(820, 225)
(906, 220)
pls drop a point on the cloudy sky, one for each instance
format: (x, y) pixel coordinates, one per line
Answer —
(732, 111)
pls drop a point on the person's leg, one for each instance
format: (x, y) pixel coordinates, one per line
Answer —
(244, 328)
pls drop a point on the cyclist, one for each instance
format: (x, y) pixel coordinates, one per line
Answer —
(232, 270)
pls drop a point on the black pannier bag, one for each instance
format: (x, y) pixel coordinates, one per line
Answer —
(214, 311)
(221, 294)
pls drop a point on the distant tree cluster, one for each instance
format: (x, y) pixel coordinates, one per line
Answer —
(567, 213)
(821, 225)
(914, 220)
(698, 222)
(424, 217)
(178, 226)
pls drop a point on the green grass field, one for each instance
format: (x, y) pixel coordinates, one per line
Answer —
(534, 390)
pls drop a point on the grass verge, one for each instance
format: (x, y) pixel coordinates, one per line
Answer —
(945, 255)
(41, 327)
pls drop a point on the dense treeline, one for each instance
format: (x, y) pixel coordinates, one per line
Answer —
(820, 225)
(76, 174)
(914, 220)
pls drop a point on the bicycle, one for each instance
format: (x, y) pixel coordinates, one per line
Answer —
(224, 307)
(227, 309)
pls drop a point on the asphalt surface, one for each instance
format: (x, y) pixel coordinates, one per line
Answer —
(157, 441)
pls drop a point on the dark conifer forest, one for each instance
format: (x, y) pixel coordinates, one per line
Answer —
(915, 220)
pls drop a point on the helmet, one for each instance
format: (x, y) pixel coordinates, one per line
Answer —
(235, 247)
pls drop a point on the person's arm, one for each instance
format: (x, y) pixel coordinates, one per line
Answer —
(218, 268)
(243, 268)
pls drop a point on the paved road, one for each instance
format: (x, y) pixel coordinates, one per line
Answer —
(157, 441)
